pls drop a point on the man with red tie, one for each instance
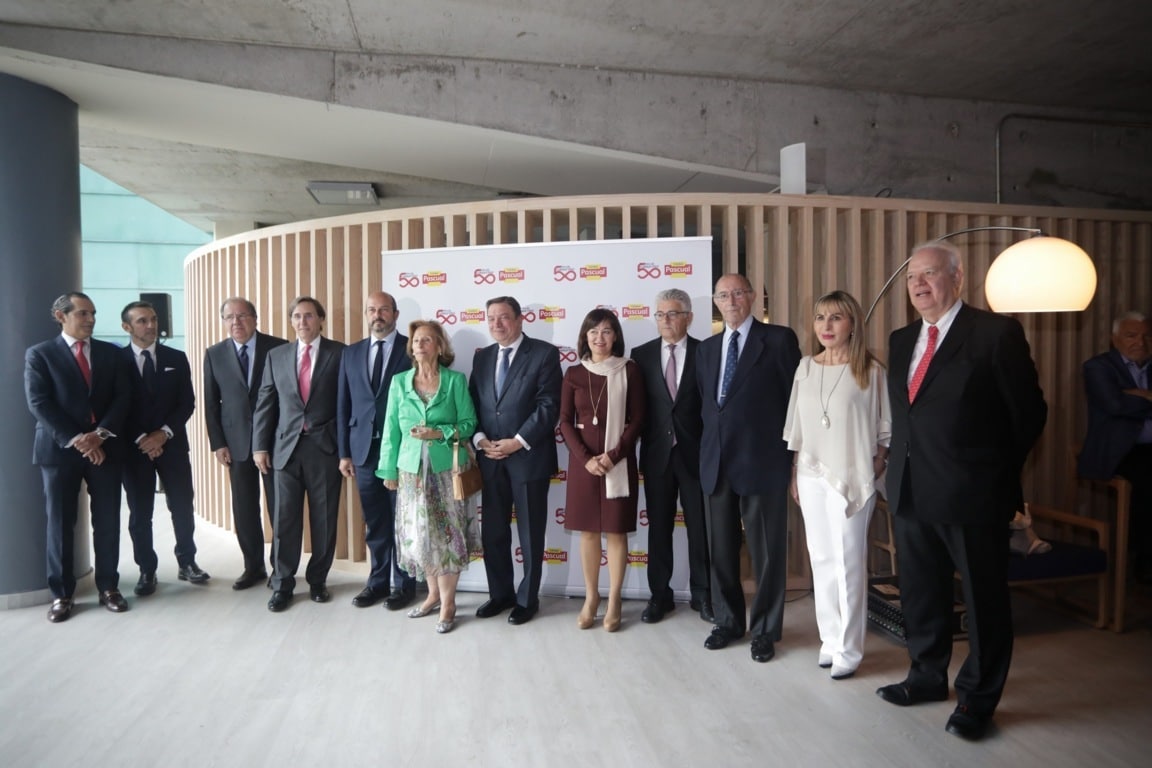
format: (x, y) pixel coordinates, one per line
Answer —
(78, 389)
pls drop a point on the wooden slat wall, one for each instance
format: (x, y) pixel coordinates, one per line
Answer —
(795, 247)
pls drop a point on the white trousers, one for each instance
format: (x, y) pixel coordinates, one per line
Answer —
(838, 549)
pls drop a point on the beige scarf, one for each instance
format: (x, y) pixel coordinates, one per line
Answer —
(616, 481)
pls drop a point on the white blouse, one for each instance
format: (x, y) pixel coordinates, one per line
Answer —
(858, 421)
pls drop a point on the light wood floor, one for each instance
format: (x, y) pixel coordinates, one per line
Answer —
(204, 676)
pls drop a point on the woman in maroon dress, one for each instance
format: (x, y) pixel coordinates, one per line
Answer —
(601, 415)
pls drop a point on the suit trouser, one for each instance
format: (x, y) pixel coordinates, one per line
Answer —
(175, 473)
(1136, 467)
(312, 472)
(838, 552)
(661, 490)
(245, 479)
(531, 501)
(379, 507)
(62, 492)
(764, 518)
(928, 555)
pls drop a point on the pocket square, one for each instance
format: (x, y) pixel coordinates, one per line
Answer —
(167, 370)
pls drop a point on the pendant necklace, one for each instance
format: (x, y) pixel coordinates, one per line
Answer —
(596, 402)
(824, 420)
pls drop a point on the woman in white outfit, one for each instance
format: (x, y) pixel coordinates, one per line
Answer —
(838, 427)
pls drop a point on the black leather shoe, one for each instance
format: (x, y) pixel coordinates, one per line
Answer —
(280, 601)
(967, 724)
(146, 585)
(905, 695)
(61, 610)
(249, 579)
(720, 638)
(192, 573)
(399, 599)
(655, 611)
(113, 601)
(703, 606)
(762, 649)
(492, 608)
(319, 593)
(521, 615)
(368, 596)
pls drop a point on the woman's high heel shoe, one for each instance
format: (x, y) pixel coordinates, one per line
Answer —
(612, 616)
(588, 614)
(420, 611)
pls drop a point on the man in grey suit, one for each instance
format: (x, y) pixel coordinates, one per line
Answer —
(515, 385)
(366, 370)
(294, 432)
(232, 372)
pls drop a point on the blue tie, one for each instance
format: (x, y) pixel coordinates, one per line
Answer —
(502, 370)
(730, 365)
(149, 372)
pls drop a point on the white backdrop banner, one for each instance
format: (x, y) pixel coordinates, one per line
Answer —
(557, 284)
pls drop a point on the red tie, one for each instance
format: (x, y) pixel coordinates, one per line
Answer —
(922, 368)
(306, 373)
(82, 361)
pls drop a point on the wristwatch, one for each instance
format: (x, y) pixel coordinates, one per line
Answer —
(103, 433)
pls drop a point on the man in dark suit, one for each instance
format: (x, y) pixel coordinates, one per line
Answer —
(294, 432)
(77, 389)
(366, 370)
(1119, 439)
(670, 455)
(162, 403)
(745, 380)
(515, 385)
(966, 409)
(233, 369)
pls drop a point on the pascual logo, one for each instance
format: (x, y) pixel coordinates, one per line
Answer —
(637, 558)
(561, 476)
(408, 280)
(646, 270)
(679, 518)
(435, 278)
(678, 269)
(552, 314)
(636, 311)
(483, 276)
(555, 556)
(593, 272)
(473, 316)
(511, 274)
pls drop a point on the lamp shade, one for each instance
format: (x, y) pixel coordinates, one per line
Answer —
(1041, 274)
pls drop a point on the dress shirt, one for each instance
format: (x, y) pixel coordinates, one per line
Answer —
(315, 345)
(515, 347)
(744, 328)
(680, 349)
(138, 353)
(251, 346)
(389, 342)
(71, 342)
(942, 326)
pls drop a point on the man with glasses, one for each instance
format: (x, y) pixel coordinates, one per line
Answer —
(745, 379)
(232, 371)
(670, 455)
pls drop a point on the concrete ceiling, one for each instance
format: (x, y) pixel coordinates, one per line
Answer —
(220, 155)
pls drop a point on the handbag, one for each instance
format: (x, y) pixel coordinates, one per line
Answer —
(468, 481)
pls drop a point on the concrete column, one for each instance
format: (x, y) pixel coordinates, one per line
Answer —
(40, 256)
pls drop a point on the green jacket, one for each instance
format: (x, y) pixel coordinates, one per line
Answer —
(450, 410)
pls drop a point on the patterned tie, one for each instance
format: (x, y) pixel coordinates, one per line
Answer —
(378, 366)
(670, 371)
(502, 370)
(922, 368)
(244, 362)
(82, 361)
(306, 373)
(149, 372)
(730, 365)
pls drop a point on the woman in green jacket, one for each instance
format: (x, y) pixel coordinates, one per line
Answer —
(428, 410)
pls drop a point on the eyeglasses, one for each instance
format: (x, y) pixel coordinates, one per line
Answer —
(739, 293)
(237, 316)
(673, 315)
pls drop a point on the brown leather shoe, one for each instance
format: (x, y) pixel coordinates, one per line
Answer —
(61, 610)
(113, 601)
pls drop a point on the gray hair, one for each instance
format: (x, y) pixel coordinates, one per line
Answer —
(677, 295)
(1137, 316)
(949, 250)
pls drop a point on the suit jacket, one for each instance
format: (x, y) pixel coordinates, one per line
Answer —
(228, 399)
(281, 414)
(744, 434)
(450, 410)
(360, 411)
(1114, 418)
(976, 416)
(669, 421)
(64, 407)
(171, 402)
(529, 407)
